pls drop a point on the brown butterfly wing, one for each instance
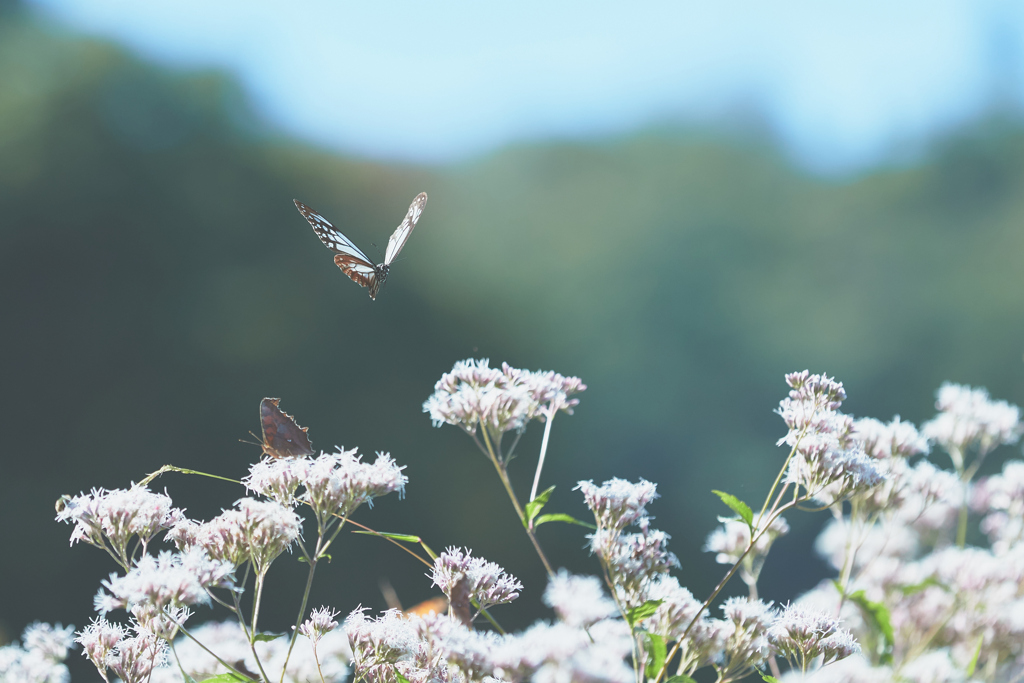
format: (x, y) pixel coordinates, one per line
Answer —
(361, 272)
(282, 437)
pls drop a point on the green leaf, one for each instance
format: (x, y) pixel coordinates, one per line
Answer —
(400, 677)
(534, 507)
(267, 637)
(737, 506)
(878, 617)
(408, 538)
(654, 646)
(974, 658)
(680, 678)
(641, 612)
(561, 517)
(770, 679)
(188, 679)
(918, 587)
(229, 677)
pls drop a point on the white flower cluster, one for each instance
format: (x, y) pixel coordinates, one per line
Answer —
(113, 518)
(827, 462)
(952, 608)
(464, 578)
(969, 418)
(502, 400)
(334, 484)
(40, 657)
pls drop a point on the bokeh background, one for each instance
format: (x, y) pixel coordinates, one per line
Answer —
(679, 204)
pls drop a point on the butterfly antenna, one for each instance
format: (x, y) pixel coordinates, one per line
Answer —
(254, 443)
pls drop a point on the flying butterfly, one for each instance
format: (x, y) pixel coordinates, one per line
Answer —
(282, 437)
(352, 261)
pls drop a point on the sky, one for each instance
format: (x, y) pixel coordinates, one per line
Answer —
(843, 86)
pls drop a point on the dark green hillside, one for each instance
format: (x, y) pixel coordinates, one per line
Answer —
(157, 283)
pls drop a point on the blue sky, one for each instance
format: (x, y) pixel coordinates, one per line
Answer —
(843, 85)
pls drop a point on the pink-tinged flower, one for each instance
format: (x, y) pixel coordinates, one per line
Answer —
(828, 462)
(745, 631)
(673, 617)
(1002, 497)
(162, 623)
(801, 636)
(383, 646)
(134, 659)
(633, 561)
(320, 623)
(114, 517)
(617, 503)
(166, 580)
(474, 394)
(578, 600)
(98, 640)
(278, 478)
(968, 418)
(553, 653)
(731, 539)
(338, 483)
(40, 657)
(886, 441)
(462, 578)
(258, 531)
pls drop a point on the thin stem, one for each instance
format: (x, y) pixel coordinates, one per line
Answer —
(182, 470)
(256, 603)
(211, 652)
(543, 452)
(776, 511)
(503, 475)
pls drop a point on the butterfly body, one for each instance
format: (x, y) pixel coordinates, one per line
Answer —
(352, 261)
(282, 436)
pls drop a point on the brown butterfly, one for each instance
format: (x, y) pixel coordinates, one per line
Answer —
(282, 437)
(350, 258)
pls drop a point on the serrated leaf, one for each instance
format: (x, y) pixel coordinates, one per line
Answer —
(408, 538)
(654, 646)
(680, 678)
(561, 517)
(641, 612)
(737, 506)
(267, 637)
(534, 507)
(880, 620)
(974, 658)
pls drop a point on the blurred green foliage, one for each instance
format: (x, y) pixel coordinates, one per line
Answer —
(157, 283)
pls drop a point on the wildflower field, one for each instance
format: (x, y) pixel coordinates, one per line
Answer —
(929, 561)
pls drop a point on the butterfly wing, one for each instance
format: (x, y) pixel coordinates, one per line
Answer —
(282, 436)
(402, 232)
(350, 258)
(361, 272)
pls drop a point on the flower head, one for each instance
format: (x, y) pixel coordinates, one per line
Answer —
(968, 418)
(462, 577)
(617, 503)
(800, 636)
(114, 517)
(338, 483)
(578, 600)
(278, 478)
(320, 623)
(474, 394)
(40, 657)
(166, 580)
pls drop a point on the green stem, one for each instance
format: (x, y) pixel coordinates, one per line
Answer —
(182, 470)
(503, 475)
